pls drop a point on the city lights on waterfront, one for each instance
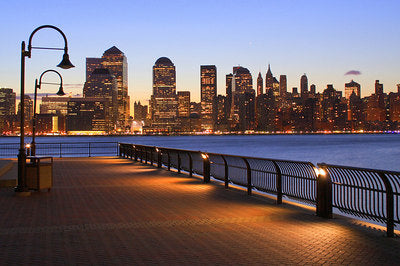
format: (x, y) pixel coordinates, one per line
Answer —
(245, 83)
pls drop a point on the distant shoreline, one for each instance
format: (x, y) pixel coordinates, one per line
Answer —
(217, 134)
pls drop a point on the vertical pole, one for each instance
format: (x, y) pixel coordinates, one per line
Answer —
(249, 185)
(190, 164)
(89, 150)
(21, 187)
(206, 168)
(159, 157)
(33, 144)
(389, 205)
(226, 172)
(151, 155)
(169, 161)
(60, 150)
(179, 163)
(278, 183)
(324, 194)
(136, 153)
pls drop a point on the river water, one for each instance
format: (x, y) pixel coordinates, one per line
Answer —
(378, 151)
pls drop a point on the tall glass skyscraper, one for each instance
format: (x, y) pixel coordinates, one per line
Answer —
(208, 84)
(164, 101)
(116, 62)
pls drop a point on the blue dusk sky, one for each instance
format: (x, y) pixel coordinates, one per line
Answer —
(324, 39)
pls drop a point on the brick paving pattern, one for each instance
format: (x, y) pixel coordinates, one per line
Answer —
(112, 211)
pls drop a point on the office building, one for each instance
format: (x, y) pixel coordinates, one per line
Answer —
(303, 86)
(282, 86)
(102, 84)
(351, 87)
(89, 115)
(260, 85)
(208, 85)
(116, 62)
(183, 104)
(164, 101)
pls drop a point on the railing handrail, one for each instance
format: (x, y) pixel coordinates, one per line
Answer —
(222, 154)
(360, 168)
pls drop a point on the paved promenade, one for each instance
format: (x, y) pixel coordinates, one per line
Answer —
(112, 211)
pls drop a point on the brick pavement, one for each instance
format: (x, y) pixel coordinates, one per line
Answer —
(112, 211)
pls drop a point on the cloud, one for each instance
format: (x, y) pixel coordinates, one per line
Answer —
(353, 72)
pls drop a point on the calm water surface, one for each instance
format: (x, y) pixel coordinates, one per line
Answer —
(380, 151)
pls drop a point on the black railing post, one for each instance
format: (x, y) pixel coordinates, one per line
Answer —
(145, 155)
(135, 153)
(226, 177)
(324, 193)
(179, 162)
(89, 150)
(206, 168)
(190, 164)
(151, 155)
(60, 150)
(159, 157)
(169, 162)
(278, 183)
(119, 149)
(249, 186)
(389, 205)
(131, 152)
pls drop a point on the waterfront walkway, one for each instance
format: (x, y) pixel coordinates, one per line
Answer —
(113, 211)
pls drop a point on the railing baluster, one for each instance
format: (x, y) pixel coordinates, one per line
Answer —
(249, 185)
(278, 183)
(226, 172)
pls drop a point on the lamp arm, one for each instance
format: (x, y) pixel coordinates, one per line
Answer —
(47, 26)
(50, 70)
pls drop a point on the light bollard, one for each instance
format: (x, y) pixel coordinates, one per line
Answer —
(206, 168)
(324, 193)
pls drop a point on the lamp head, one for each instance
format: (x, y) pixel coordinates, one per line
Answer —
(65, 63)
(61, 91)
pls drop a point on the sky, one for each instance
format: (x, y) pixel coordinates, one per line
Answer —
(323, 39)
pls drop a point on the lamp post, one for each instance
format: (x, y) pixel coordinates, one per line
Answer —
(65, 64)
(38, 86)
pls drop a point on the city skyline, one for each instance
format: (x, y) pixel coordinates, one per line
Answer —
(323, 40)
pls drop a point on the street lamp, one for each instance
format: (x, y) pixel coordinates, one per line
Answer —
(37, 86)
(65, 64)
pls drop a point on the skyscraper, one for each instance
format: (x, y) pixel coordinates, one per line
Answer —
(269, 79)
(93, 63)
(282, 86)
(7, 102)
(116, 62)
(164, 101)
(183, 104)
(313, 89)
(7, 107)
(101, 84)
(28, 111)
(208, 84)
(243, 108)
(351, 87)
(303, 86)
(259, 84)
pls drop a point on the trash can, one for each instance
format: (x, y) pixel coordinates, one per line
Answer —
(39, 172)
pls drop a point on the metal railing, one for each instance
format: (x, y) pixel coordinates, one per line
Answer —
(64, 149)
(366, 193)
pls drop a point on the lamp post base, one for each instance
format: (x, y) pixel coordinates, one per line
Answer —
(22, 193)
